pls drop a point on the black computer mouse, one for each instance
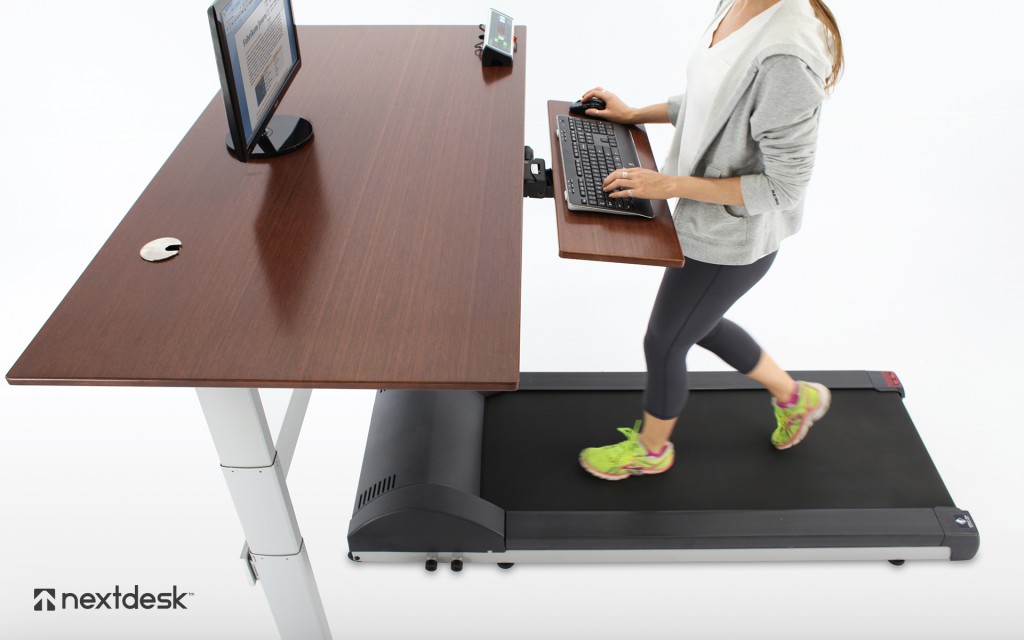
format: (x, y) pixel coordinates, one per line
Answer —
(579, 108)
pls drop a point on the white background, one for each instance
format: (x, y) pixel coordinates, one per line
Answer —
(909, 260)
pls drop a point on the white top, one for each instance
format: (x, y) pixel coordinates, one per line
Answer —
(705, 72)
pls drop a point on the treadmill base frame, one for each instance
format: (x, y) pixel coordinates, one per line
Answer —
(644, 556)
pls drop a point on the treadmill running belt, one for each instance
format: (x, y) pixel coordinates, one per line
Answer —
(865, 453)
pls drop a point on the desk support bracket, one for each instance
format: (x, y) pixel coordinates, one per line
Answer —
(255, 475)
(537, 180)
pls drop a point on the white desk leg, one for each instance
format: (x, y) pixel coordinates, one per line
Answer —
(256, 481)
(287, 439)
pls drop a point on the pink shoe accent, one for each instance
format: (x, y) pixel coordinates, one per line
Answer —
(793, 398)
(651, 454)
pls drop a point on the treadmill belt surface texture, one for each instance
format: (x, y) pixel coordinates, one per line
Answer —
(494, 477)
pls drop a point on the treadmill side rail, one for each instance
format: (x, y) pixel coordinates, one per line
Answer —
(662, 556)
(883, 381)
(733, 530)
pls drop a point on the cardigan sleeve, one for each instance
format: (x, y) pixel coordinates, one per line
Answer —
(675, 106)
(784, 124)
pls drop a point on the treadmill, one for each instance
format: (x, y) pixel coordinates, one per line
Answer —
(493, 477)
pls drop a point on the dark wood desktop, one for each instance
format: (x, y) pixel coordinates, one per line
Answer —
(385, 254)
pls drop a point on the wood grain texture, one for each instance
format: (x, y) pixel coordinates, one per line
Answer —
(385, 254)
(606, 237)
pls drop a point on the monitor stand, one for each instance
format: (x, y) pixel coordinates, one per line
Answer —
(283, 134)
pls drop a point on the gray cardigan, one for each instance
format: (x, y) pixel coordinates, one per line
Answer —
(763, 127)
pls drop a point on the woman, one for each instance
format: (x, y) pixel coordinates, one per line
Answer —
(740, 162)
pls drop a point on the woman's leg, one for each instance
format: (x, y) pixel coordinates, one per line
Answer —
(798, 405)
(778, 383)
(735, 346)
(656, 432)
(689, 309)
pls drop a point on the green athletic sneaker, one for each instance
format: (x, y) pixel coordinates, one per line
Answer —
(628, 458)
(794, 422)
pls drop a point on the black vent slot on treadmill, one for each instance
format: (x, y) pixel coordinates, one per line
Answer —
(377, 490)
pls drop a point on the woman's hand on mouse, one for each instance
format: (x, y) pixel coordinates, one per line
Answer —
(615, 109)
(641, 183)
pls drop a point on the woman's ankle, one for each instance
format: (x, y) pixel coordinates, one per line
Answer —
(786, 399)
(653, 447)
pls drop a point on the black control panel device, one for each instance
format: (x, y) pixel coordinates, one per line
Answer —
(499, 41)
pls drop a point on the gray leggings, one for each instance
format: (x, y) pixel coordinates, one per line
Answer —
(689, 310)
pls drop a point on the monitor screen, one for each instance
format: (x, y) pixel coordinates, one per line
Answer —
(257, 56)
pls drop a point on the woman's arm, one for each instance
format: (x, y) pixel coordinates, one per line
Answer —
(652, 185)
(784, 125)
(618, 111)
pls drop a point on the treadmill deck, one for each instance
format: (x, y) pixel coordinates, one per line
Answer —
(864, 454)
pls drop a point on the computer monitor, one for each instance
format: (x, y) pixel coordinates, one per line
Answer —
(258, 57)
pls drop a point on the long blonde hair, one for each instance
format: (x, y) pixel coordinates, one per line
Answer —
(836, 46)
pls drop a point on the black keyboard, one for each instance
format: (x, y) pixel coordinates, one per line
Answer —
(592, 149)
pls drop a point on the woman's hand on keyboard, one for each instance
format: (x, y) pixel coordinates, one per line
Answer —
(640, 183)
(615, 109)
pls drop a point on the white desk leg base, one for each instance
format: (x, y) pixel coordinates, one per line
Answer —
(256, 481)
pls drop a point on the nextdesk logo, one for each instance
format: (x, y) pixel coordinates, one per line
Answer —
(46, 600)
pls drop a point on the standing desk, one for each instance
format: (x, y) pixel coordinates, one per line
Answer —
(387, 254)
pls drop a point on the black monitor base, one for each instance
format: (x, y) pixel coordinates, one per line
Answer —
(284, 134)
